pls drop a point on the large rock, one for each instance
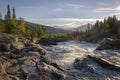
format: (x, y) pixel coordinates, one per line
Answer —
(107, 62)
(85, 64)
(21, 59)
(51, 41)
(17, 47)
(15, 54)
(47, 41)
(34, 47)
(9, 64)
(4, 47)
(29, 58)
(106, 44)
(48, 72)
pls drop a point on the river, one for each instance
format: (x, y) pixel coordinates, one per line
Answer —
(65, 53)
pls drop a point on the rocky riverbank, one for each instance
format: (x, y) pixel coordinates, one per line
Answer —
(20, 59)
(104, 64)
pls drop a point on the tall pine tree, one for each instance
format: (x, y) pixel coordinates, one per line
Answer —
(8, 15)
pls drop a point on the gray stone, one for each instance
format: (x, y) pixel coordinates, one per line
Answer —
(4, 47)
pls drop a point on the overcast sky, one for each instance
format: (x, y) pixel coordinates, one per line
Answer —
(70, 13)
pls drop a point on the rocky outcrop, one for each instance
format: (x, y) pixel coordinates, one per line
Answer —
(49, 72)
(108, 43)
(97, 67)
(20, 59)
(51, 41)
(47, 41)
(105, 63)
(85, 64)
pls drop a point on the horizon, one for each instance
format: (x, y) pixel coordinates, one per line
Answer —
(68, 14)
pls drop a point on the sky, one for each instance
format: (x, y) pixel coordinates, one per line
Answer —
(62, 13)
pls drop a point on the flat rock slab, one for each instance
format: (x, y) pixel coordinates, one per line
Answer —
(107, 59)
(109, 44)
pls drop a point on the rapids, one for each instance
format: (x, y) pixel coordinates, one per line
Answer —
(65, 53)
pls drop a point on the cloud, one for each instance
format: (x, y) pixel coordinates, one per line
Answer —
(75, 6)
(28, 7)
(104, 9)
(117, 8)
(58, 9)
(108, 9)
(105, 4)
(66, 22)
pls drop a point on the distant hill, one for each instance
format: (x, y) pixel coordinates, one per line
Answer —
(83, 27)
(80, 28)
(48, 29)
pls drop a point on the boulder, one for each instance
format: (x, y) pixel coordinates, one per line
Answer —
(105, 63)
(21, 59)
(48, 72)
(4, 77)
(108, 43)
(47, 60)
(34, 47)
(4, 47)
(47, 41)
(78, 64)
(17, 47)
(33, 76)
(51, 41)
(57, 66)
(85, 64)
(2, 69)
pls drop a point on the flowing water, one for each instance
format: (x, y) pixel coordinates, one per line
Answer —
(65, 53)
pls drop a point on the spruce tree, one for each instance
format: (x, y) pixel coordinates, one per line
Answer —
(14, 14)
(14, 22)
(8, 25)
(8, 15)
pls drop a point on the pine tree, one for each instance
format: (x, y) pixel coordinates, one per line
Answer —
(106, 26)
(8, 15)
(88, 30)
(8, 25)
(112, 21)
(14, 22)
(14, 15)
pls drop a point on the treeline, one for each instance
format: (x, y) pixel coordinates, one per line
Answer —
(11, 25)
(111, 25)
(78, 35)
(58, 35)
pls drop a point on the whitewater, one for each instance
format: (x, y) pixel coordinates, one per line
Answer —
(65, 53)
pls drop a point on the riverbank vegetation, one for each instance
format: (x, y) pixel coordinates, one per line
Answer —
(109, 27)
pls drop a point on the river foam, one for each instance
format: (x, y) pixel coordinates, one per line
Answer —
(65, 53)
